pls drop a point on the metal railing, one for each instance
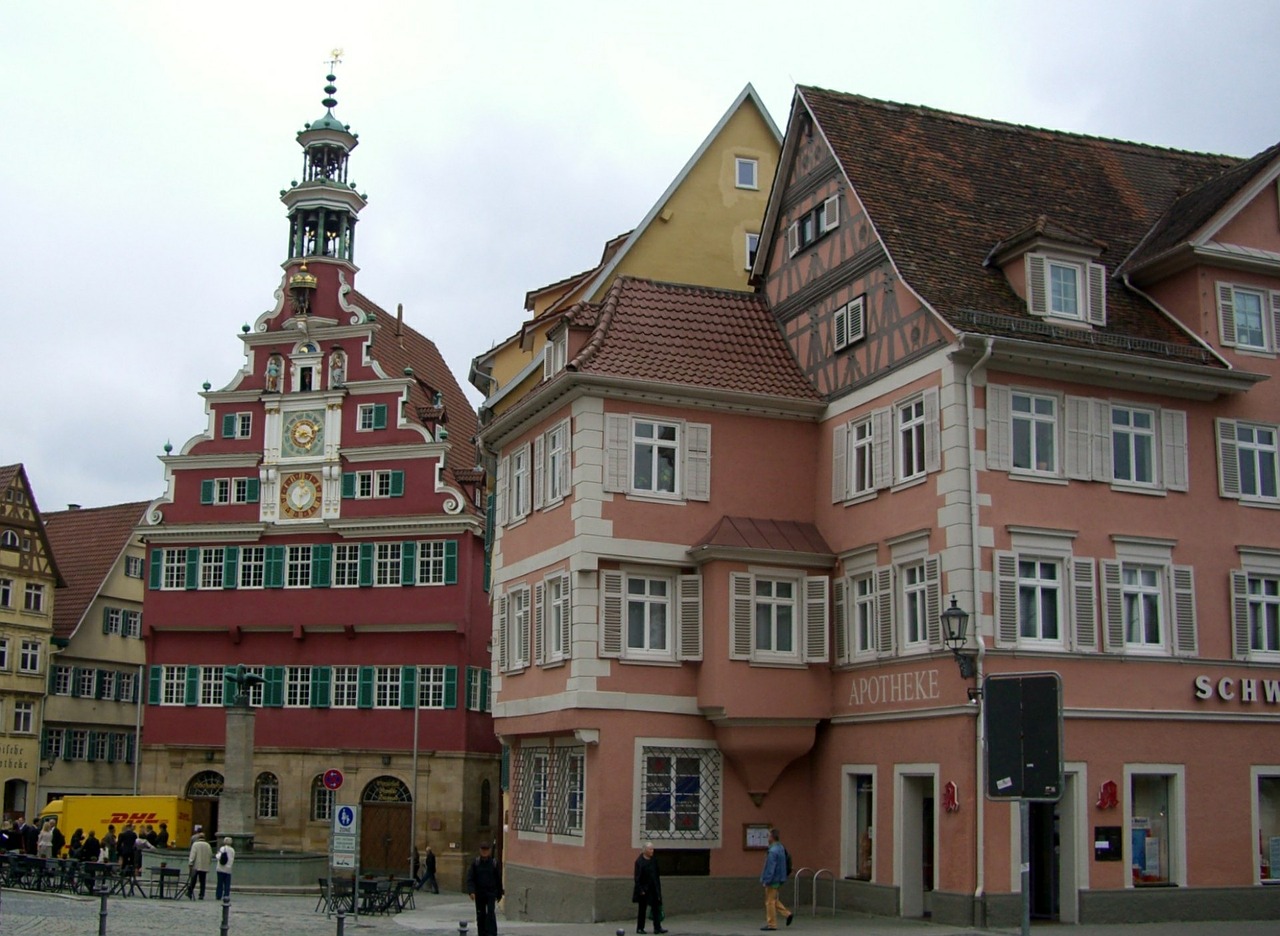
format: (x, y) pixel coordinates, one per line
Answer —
(813, 903)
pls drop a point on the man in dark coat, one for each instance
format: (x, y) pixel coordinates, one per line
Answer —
(429, 872)
(484, 886)
(127, 848)
(648, 890)
(30, 838)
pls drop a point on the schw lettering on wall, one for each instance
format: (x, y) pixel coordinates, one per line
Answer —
(1244, 691)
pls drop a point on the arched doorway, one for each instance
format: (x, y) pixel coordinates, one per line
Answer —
(386, 835)
(204, 790)
(15, 799)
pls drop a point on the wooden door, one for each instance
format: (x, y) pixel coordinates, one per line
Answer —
(385, 838)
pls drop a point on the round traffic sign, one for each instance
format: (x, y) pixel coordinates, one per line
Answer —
(332, 779)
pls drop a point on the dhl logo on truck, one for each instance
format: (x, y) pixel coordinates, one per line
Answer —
(134, 817)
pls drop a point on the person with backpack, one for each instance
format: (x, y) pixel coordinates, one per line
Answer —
(777, 865)
(484, 886)
(226, 859)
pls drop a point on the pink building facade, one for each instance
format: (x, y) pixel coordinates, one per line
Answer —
(1026, 371)
(324, 533)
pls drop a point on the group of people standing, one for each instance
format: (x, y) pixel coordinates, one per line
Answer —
(201, 858)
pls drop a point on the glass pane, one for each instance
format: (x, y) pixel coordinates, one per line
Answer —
(1269, 827)
(785, 629)
(658, 627)
(635, 625)
(1044, 447)
(764, 627)
(666, 469)
(1150, 829)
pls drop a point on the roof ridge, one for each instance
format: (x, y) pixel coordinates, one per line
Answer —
(993, 123)
(696, 287)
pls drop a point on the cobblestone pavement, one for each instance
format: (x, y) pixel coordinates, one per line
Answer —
(38, 914)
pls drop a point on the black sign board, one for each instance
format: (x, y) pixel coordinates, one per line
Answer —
(1023, 717)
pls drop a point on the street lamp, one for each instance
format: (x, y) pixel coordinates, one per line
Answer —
(956, 622)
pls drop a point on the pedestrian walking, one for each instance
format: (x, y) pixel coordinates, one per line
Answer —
(774, 875)
(484, 886)
(199, 860)
(428, 871)
(647, 891)
(226, 860)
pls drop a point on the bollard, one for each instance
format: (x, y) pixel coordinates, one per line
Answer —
(102, 911)
(342, 920)
(462, 928)
(619, 932)
(226, 914)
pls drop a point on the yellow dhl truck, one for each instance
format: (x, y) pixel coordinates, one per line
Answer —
(95, 813)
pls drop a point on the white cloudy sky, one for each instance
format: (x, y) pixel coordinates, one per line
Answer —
(145, 144)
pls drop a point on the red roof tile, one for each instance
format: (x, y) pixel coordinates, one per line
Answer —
(87, 543)
(691, 336)
(942, 189)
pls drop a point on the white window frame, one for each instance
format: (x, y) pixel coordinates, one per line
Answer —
(1129, 438)
(558, 463)
(557, 618)
(174, 577)
(1232, 451)
(519, 617)
(691, 475)
(212, 566)
(539, 790)
(253, 565)
(173, 684)
(1090, 282)
(431, 687)
(346, 687)
(297, 687)
(132, 624)
(322, 800)
(128, 686)
(29, 652)
(910, 431)
(346, 565)
(221, 491)
(555, 353)
(77, 744)
(1040, 585)
(297, 566)
(1056, 302)
(862, 463)
(810, 616)
(751, 244)
(1172, 594)
(387, 564)
(1228, 295)
(212, 682)
(1033, 420)
(33, 598)
(649, 603)
(520, 485)
(109, 678)
(1264, 617)
(710, 777)
(366, 415)
(656, 446)
(88, 677)
(133, 566)
(574, 806)
(244, 425)
(752, 166)
(24, 714)
(431, 560)
(239, 490)
(4, 661)
(779, 615)
(266, 796)
(1253, 608)
(386, 687)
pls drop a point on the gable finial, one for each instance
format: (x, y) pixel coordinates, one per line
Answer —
(335, 59)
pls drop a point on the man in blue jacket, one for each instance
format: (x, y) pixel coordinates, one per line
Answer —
(772, 877)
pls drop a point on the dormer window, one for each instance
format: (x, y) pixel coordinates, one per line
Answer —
(1064, 288)
(556, 354)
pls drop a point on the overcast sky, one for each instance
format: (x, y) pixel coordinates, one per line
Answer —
(146, 143)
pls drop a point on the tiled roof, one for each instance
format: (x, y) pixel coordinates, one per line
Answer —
(87, 542)
(689, 336)
(398, 346)
(1193, 210)
(943, 189)
(774, 535)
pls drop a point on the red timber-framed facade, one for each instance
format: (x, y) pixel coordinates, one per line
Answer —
(323, 531)
(1038, 379)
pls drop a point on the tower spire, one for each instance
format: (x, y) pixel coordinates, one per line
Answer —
(324, 206)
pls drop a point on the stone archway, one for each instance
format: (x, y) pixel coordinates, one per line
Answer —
(204, 790)
(386, 836)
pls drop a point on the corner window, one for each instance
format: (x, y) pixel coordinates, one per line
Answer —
(746, 173)
(779, 617)
(911, 439)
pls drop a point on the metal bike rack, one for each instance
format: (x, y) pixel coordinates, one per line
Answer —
(813, 904)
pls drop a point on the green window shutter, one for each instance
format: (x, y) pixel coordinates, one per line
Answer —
(193, 567)
(106, 620)
(273, 686)
(230, 566)
(321, 676)
(364, 689)
(348, 485)
(451, 562)
(88, 751)
(408, 562)
(484, 691)
(252, 490)
(450, 687)
(98, 678)
(53, 678)
(129, 748)
(111, 747)
(273, 567)
(75, 682)
(116, 695)
(397, 484)
(321, 563)
(408, 686)
(154, 679)
(193, 685)
(206, 492)
(366, 565)
(470, 681)
(157, 567)
(380, 416)
(229, 425)
(229, 688)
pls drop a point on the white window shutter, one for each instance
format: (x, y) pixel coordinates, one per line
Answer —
(617, 445)
(1097, 276)
(1226, 314)
(1112, 607)
(1079, 439)
(741, 616)
(999, 446)
(539, 476)
(933, 601)
(882, 448)
(840, 619)
(1241, 645)
(500, 635)
(1037, 284)
(793, 239)
(611, 614)
(816, 618)
(525, 482)
(1228, 459)
(566, 621)
(884, 610)
(857, 319)
(1102, 470)
(840, 463)
(1084, 606)
(500, 492)
(548, 360)
(697, 461)
(932, 432)
(831, 213)
(1173, 444)
(1006, 588)
(539, 623)
(840, 327)
(690, 597)
(566, 460)
(1184, 611)
(1275, 321)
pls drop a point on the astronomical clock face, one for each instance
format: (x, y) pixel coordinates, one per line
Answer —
(303, 434)
(300, 495)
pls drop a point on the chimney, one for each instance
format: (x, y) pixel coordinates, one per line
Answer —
(73, 506)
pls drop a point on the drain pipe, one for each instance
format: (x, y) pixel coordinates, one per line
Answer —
(980, 813)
